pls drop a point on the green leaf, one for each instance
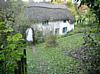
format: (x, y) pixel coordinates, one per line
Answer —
(12, 46)
(17, 37)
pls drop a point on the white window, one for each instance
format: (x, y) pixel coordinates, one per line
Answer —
(64, 30)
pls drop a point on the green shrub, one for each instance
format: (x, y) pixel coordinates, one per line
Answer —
(39, 38)
(51, 40)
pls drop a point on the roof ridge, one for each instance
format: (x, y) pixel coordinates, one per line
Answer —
(48, 5)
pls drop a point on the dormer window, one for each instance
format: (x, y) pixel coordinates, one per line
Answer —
(64, 21)
(76, 2)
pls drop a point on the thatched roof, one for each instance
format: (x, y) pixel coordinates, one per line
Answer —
(2, 4)
(47, 11)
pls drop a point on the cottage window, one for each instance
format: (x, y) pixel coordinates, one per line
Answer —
(57, 31)
(64, 30)
(64, 21)
(45, 23)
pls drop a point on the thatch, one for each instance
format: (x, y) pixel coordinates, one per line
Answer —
(46, 11)
(3, 4)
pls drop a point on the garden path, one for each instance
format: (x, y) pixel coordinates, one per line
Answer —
(33, 49)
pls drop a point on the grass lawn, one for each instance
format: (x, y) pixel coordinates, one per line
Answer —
(53, 60)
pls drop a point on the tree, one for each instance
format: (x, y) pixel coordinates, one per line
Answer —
(91, 53)
(11, 43)
(71, 7)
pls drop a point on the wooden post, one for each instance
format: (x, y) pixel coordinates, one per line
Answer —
(25, 63)
(34, 41)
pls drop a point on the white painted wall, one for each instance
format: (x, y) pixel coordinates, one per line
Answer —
(53, 25)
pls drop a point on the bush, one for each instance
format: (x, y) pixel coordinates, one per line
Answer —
(51, 40)
(39, 38)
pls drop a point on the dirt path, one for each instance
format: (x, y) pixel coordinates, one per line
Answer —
(33, 49)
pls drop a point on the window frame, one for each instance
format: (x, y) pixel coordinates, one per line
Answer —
(57, 30)
(64, 30)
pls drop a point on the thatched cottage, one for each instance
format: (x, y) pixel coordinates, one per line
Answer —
(48, 17)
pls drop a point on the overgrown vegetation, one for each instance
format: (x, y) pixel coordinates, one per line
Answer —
(88, 56)
(72, 54)
(55, 59)
(71, 7)
(12, 44)
(51, 40)
(90, 53)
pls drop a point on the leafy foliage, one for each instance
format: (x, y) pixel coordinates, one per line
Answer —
(91, 51)
(51, 40)
(11, 43)
(71, 7)
(56, 1)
